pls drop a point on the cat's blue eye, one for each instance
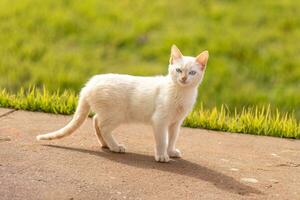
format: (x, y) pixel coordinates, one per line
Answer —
(178, 70)
(192, 72)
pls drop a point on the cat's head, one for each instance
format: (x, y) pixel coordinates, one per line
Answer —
(185, 70)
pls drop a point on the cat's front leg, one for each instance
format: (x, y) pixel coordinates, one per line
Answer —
(161, 140)
(173, 136)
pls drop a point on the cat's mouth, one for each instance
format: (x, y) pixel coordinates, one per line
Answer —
(183, 83)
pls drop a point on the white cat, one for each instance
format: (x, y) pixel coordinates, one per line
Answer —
(162, 101)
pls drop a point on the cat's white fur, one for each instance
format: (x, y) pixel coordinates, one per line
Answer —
(162, 101)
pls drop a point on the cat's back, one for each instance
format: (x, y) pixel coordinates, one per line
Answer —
(123, 81)
(122, 87)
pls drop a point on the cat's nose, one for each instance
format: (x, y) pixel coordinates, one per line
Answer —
(183, 78)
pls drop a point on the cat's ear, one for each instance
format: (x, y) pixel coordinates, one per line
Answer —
(175, 54)
(202, 59)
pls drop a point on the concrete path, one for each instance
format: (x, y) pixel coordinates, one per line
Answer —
(215, 165)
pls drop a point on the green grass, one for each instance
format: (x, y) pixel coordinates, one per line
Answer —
(40, 100)
(257, 120)
(254, 47)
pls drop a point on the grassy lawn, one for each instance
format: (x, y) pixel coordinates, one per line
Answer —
(254, 55)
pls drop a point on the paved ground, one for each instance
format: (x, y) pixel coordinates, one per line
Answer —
(215, 165)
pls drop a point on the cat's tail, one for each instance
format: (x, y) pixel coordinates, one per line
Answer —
(79, 117)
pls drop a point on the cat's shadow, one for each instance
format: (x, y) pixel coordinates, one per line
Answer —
(178, 166)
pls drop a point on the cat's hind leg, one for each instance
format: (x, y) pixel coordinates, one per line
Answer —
(98, 132)
(105, 127)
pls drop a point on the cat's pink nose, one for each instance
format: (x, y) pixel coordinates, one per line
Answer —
(183, 78)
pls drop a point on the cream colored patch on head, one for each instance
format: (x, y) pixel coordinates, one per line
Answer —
(188, 65)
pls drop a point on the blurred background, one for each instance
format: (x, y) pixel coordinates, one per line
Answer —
(254, 45)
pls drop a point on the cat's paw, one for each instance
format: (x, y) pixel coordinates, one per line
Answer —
(174, 153)
(118, 149)
(162, 158)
